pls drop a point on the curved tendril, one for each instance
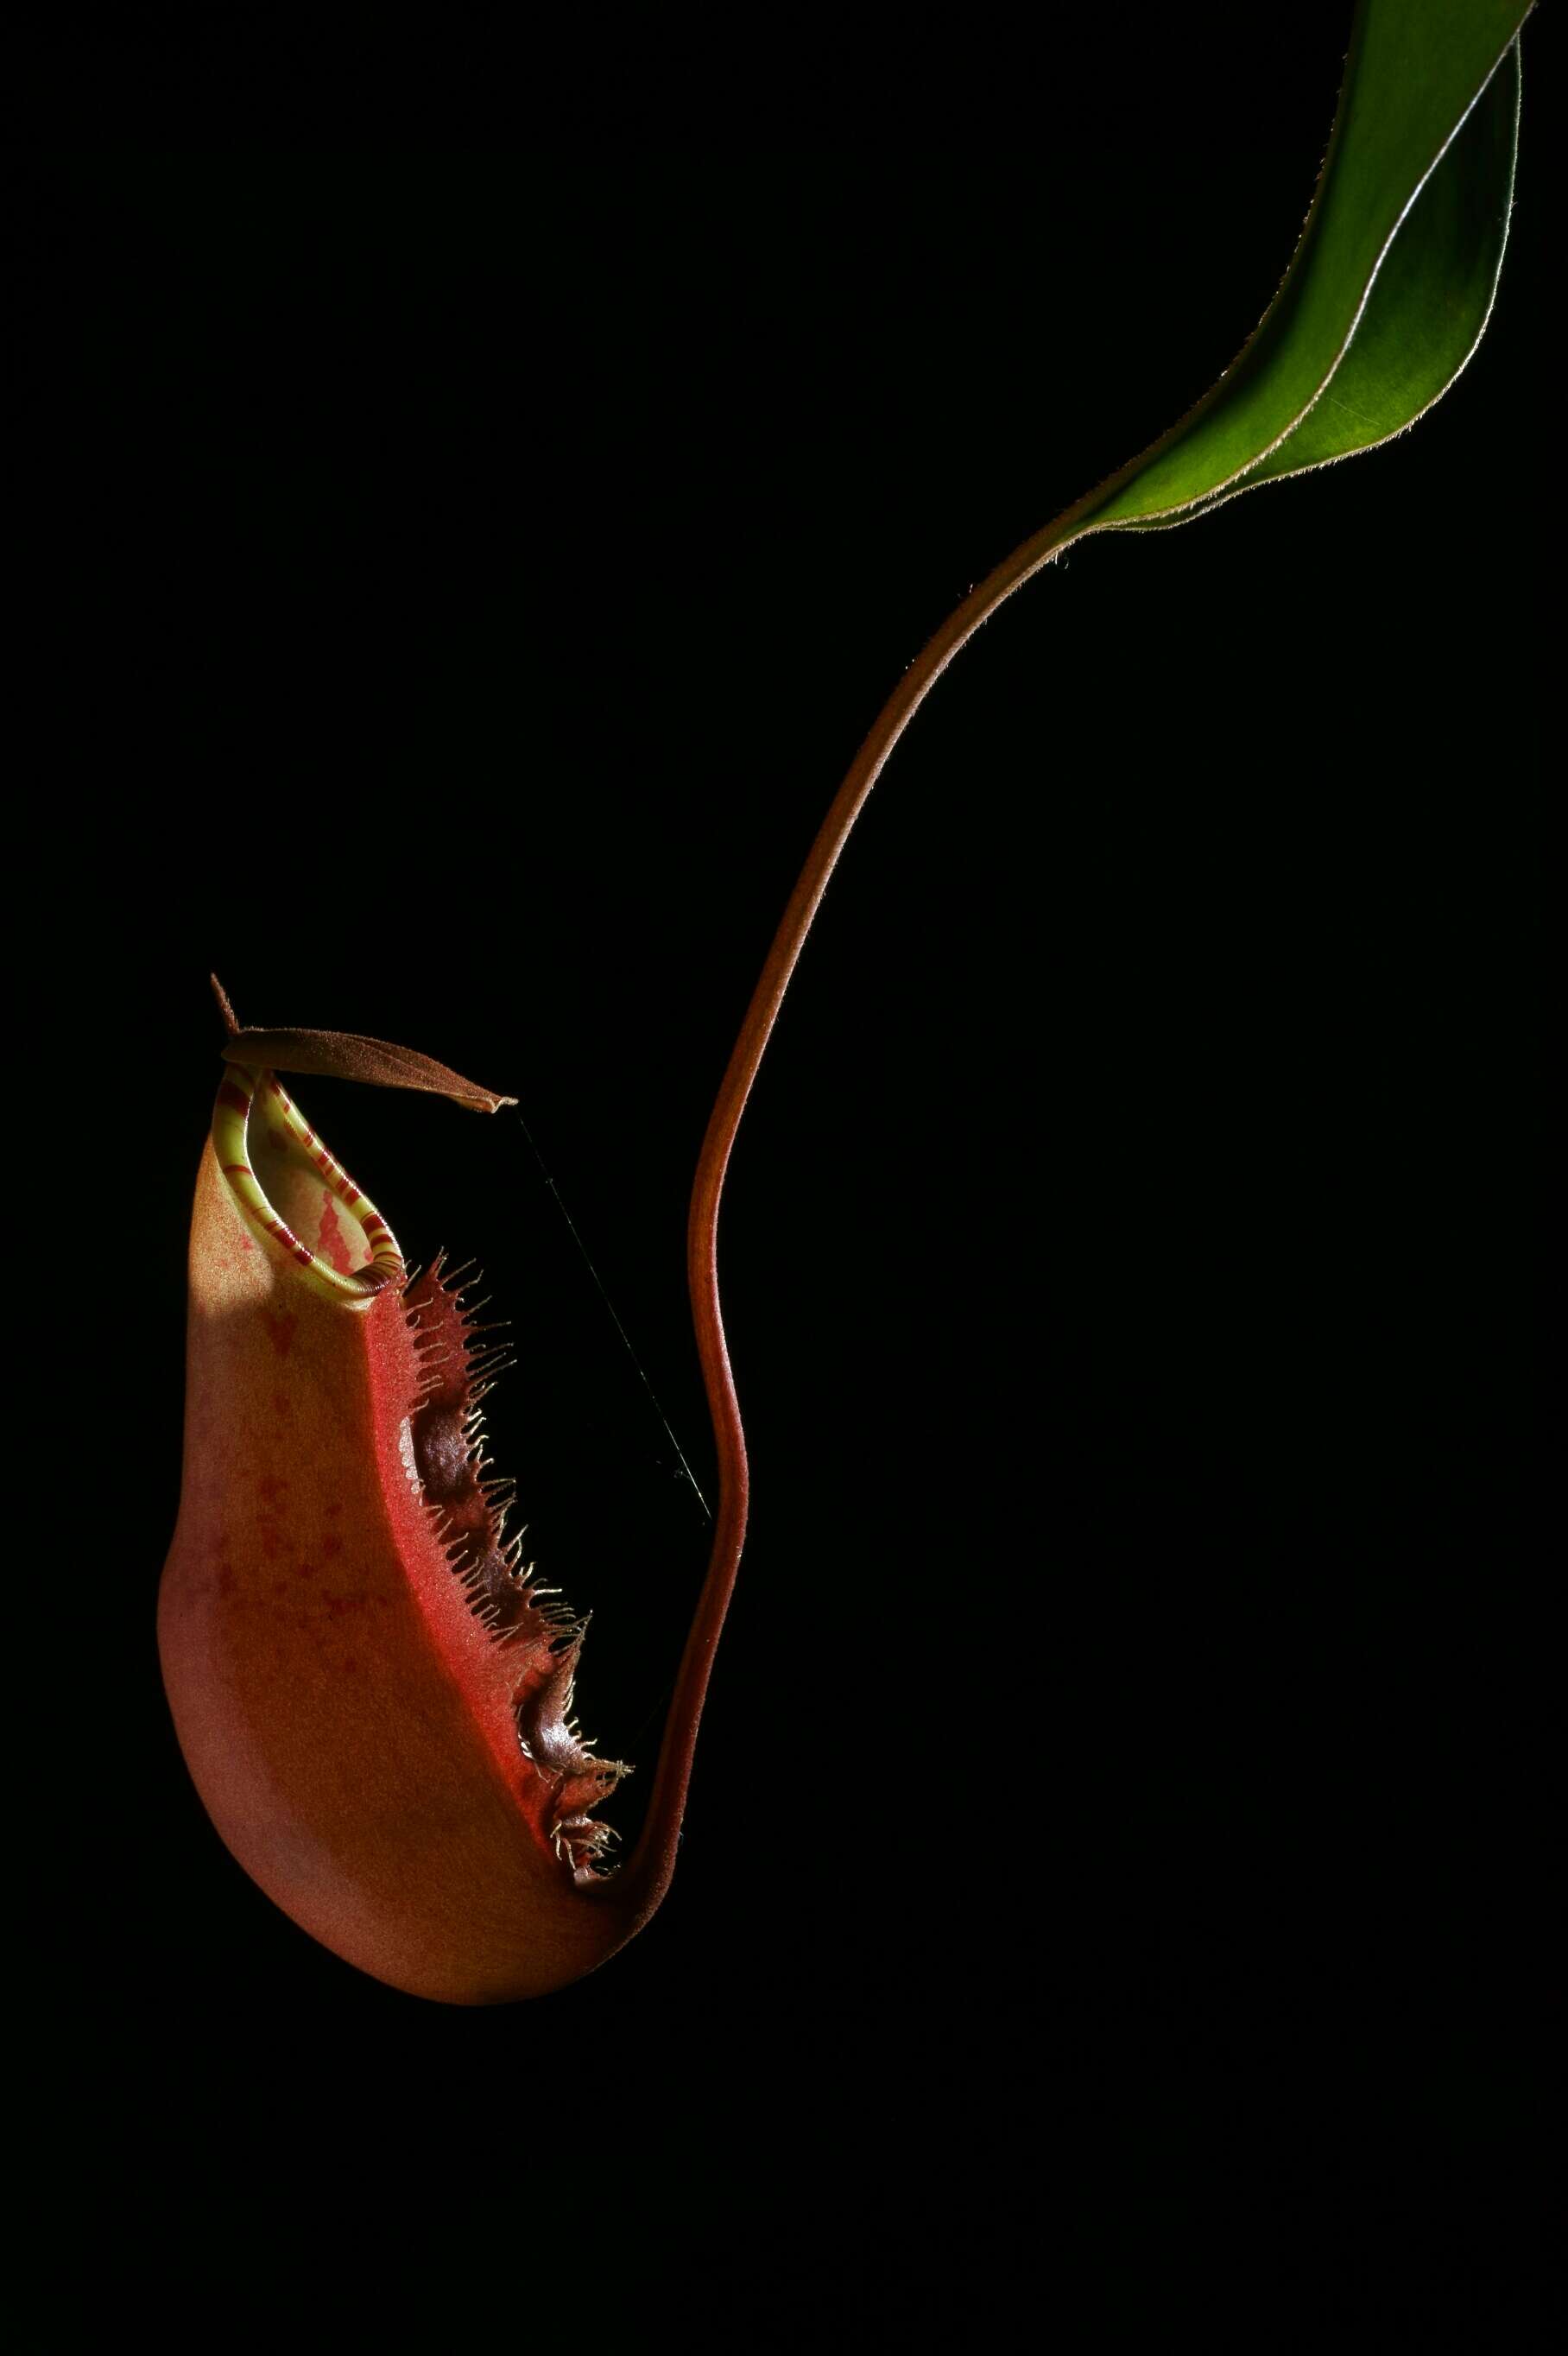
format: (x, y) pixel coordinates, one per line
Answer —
(645, 1876)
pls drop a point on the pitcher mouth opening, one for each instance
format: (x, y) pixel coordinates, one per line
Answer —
(293, 1189)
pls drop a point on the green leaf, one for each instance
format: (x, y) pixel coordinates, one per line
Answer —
(1390, 285)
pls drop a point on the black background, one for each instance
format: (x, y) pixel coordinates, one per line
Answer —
(466, 577)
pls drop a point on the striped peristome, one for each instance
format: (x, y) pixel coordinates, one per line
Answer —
(230, 1127)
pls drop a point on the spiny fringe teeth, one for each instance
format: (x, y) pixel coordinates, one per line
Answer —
(586, 1840)
(525, 1632)
(584, 1832)
(588, 1834)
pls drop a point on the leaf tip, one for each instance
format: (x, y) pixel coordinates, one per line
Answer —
(225, 1005)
